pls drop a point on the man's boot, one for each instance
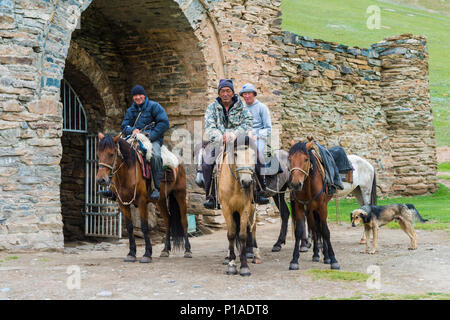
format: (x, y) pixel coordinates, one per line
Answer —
(260, 187)
(210, 189)
(157, 173)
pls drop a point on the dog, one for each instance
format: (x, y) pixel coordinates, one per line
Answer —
(374, 217)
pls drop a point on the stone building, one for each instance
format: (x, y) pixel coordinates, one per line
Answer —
(374, 102)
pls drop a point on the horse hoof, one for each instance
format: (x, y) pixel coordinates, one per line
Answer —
(188, 254)
(145, 259)
(256, 261)
(362, 242)
(316, 259)
(250, 255)
(232, 271)
(326, 261)
(164, 254)
(130, 259)
(245, 272)
(303, 249)
(335, 266)
(226, 261)
(293, 266)
(276, 249)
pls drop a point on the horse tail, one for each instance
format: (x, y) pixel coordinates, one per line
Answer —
(176, 228)
(318, 228)
(292, 214)
(373, 192)
(237, 221)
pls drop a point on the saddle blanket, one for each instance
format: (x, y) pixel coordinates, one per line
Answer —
(168, 158)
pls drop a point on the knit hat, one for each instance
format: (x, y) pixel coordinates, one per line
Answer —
(248, 87)
(226, 83)
(137, 89)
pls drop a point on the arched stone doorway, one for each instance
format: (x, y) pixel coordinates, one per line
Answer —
(117, 47)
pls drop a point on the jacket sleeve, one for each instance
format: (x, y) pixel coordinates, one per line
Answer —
(161, 122)
(212, 132)
(127, 123)
(246, 123)
(265, 132)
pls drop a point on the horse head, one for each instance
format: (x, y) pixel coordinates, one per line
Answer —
(107, 157)
(300, 164)
(244, 155)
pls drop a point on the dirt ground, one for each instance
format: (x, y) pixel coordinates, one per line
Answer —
(104, 275)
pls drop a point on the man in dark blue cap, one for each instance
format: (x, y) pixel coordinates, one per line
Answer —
(150, 118)
(147, 117)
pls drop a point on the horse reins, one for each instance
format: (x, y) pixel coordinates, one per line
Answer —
(113, 173)
(306, 203)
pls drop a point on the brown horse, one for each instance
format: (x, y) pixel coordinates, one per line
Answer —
(118, 159)
(309, 198)
(235, 185)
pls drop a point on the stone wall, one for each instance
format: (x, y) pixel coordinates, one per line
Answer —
(373, 102)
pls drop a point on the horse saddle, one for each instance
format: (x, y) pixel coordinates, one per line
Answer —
(343, 164)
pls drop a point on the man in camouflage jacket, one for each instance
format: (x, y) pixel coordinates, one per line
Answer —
(225, 119)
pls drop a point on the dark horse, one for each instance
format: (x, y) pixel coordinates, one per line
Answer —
(309, 199)
(276, 188)
(118, 158)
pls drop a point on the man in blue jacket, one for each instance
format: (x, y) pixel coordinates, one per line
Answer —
(147, 117)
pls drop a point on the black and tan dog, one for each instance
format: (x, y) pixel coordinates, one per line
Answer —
(374, 217)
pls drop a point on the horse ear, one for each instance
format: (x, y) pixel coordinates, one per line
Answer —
(100, 136)
(116, 138)
(292, 142)
(309, 145)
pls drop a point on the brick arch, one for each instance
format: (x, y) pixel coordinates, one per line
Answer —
(94, 83)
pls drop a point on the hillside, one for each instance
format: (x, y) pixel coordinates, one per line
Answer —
(346, 22)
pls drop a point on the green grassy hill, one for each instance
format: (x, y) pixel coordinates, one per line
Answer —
(344, 21)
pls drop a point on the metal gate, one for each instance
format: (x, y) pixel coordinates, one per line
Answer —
(102, 216)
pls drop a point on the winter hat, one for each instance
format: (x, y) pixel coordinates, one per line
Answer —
(226, 83)
(248, 87)
(137, 89)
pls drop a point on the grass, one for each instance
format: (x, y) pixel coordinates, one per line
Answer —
(444, 167)
(332, 20)
(392, 296)
(11, 258)
(435, 208)
(335, 275)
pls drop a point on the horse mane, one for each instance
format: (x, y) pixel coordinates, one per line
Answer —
(128, 153)
(247, 141)
(106, 142)
(301, 147)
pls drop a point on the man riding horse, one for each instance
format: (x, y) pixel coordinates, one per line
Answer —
(225, 119)
(147, 117)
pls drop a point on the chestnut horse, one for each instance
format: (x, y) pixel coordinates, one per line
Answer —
(235, 186)
(118, 158)
(309, 199)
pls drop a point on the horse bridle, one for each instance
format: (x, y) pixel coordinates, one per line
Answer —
(306, 203)
(249, 170)
(114, 171)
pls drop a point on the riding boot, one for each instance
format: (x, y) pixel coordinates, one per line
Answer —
(209, 187)
(157, 174)
(260, 187)
(107, 194)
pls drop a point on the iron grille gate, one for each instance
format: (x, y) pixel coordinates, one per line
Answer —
(102, 216)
